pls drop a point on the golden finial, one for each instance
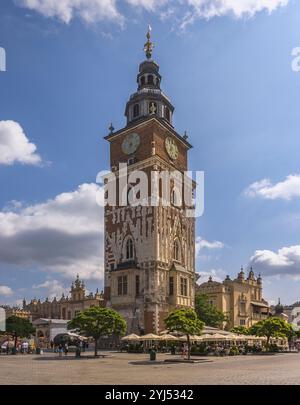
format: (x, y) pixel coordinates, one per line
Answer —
(148, 48)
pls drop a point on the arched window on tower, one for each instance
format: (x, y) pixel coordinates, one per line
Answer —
(129, 249)
(150, 80)
(176, 199)
(136, 110)
(177, 252)
(167, 114)
(143, 81)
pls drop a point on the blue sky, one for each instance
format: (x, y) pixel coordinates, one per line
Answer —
(70, 70)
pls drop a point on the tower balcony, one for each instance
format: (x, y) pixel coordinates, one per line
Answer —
(259, 316)
(131, 264)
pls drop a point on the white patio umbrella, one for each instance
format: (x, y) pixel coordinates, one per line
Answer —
(132, 337)
(150, 336)
(253, 337)
(196, 338)
(169, 337)
(215, 337)
(193, 338)
(206, 336)
(232, 335)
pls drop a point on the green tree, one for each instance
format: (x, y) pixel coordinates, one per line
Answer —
(271, 327)
(240, 330)
(19, 328)
(208, 313)
(184, 320)
(97, 322)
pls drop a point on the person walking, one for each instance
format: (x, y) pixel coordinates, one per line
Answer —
(185, 351)
(66, 349)
(182, 350)
(60, 350)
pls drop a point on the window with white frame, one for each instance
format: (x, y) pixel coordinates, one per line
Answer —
(183, 286)
(122, 285)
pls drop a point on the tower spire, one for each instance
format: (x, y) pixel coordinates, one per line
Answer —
(149, 100)
(148, 48)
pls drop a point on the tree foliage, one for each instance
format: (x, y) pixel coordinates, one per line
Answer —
(19, 328)
(271, 328)
(98, 322)
(240, 330)
(186, 321)
(208, 313)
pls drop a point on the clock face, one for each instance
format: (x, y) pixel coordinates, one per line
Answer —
(131, 143)
(172, 148)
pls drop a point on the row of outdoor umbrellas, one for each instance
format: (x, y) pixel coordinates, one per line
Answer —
(193, 338)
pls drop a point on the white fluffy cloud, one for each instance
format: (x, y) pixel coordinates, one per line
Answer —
(286, 190)
(216, 274)
(149, 5)
(185, 11)
(52, 288)
(286, 261)
(5, 291)
(239, 8)
(63, 235)
(15, 146)
(204, 244)
(88, 10)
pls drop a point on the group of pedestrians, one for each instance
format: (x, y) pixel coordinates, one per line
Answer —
(22, 347)
(63, 349)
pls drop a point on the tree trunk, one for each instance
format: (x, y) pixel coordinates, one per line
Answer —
(96, 347)
(267, 344)
(15, 340)
(189, 346)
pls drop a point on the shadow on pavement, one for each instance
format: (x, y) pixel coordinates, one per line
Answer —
(72, 358)
(147, 363)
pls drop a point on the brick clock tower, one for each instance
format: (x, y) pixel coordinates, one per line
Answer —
(149, 250)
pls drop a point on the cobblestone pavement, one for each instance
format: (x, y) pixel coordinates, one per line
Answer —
(125, 368)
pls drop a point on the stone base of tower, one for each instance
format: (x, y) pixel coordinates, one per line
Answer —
(154, 322)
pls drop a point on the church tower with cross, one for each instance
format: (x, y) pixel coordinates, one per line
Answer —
(149, 249)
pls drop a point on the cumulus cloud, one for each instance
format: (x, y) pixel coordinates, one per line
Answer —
(216, 8)
(216, 274)
(284, 262)
(15, 146)
(52, 288)
(285, 190)
(63, 235)
(186, 11)
(149, 5)
(65, 10)
(208, 9)
(5, 291)
(204, 244)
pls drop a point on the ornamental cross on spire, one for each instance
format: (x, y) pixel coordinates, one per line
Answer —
(148, 48)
